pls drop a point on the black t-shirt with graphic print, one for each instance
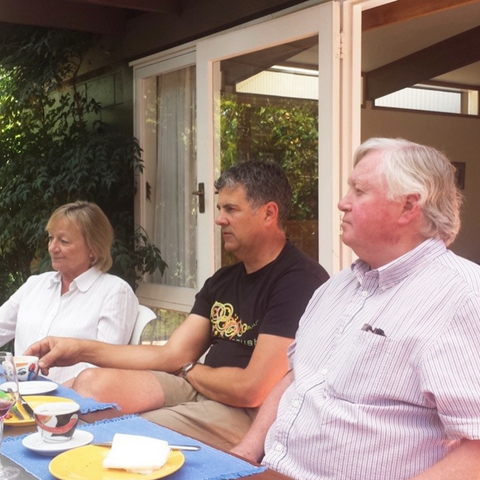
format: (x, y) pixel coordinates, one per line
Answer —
(271, 300)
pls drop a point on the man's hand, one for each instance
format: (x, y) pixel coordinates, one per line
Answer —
(252, 445)
(56, 352)
(245, 387)
(186, 344)
(247, 451)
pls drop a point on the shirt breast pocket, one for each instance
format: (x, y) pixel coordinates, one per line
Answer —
(366, 366)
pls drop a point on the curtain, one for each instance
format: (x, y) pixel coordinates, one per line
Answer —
(175, 206)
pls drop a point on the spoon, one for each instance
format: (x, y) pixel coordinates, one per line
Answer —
(190, 448)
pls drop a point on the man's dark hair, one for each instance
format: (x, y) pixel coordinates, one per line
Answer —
(264, 181)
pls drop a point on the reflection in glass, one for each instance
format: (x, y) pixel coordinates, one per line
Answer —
(269, 110)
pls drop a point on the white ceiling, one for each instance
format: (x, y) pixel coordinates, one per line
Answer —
(383, 45)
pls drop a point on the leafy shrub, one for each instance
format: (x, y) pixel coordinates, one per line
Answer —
(51, 155)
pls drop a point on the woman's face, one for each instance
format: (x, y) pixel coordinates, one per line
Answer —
(68, 250)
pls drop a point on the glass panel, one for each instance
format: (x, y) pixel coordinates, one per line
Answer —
(269, 110)
(432, 99)
(170, 141)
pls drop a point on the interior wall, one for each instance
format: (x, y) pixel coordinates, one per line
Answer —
(458, 137)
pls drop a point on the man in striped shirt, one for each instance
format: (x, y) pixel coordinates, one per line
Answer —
(385, 368)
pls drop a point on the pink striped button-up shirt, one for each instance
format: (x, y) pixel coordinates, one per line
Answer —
(384, 405)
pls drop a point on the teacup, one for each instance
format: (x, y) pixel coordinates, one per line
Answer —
(56, 422)
(27, 367)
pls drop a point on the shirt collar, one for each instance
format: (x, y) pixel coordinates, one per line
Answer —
(390, 274)
(83, 282)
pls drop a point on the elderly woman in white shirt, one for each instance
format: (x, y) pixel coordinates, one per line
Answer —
(80, 299)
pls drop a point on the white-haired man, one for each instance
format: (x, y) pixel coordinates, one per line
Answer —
(385, 371)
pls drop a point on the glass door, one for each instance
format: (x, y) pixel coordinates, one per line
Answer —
(268, 110)
(167, 207)
(261, 87)
(286, 88)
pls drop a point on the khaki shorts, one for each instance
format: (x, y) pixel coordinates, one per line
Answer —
(192, 414)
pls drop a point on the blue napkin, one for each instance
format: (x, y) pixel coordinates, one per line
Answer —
(205, 464)
(87, 405)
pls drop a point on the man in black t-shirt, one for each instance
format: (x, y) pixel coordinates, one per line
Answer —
(241, 306)
(246, 316)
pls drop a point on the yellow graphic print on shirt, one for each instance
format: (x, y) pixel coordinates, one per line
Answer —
(226, 324)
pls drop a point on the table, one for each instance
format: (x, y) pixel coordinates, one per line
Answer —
(101, 415)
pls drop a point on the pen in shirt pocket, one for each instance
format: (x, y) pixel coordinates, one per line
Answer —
(377, 331)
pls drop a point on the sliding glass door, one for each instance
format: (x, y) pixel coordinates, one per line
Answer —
(286, 88)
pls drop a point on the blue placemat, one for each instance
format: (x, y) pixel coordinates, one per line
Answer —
(87, 405)
(205, 464)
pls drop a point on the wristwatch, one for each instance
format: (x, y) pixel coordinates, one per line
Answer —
(186, 368)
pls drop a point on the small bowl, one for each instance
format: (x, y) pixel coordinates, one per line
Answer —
(56, 422)
(27, 367)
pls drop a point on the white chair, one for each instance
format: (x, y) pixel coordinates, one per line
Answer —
(144, 316)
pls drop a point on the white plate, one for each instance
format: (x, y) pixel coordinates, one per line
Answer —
(35, 443)
(34, 387)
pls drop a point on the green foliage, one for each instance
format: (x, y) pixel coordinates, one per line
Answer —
(51, 155)
(285, 132)
(163, 326)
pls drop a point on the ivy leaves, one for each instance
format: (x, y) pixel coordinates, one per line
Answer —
(54, 150)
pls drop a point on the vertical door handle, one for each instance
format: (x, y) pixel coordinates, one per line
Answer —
(201, 197)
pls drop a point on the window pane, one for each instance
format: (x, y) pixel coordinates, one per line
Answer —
(170, 139)
(442, 100)
(269, 110)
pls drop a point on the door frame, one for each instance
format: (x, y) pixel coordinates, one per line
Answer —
(337, 24)
(321, 20)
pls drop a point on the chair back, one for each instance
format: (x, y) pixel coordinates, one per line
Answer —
(144, 316)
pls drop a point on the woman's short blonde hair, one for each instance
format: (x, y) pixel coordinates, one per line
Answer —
(94, 226)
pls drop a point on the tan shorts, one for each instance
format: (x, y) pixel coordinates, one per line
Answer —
(192, 414)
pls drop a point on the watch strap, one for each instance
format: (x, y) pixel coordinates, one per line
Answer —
(186, 368)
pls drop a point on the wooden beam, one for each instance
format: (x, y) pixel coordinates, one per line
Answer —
(156, 6)
(402, 10)
(450, 54)
(61, 14)
(245, 66)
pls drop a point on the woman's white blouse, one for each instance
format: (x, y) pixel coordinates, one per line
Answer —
(98, 306)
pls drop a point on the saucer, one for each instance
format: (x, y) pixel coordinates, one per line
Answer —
(35, 443)
(32, 387)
